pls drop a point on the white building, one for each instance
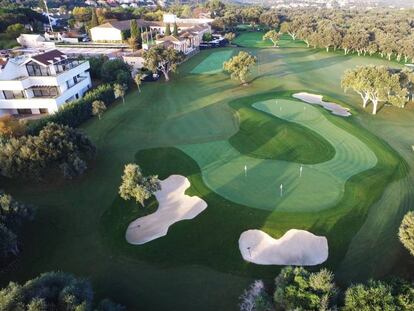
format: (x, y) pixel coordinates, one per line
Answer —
(113, 31)
(41, 83)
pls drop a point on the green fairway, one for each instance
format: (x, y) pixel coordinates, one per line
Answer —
(255, 40)
(213, 63)
(358, 181)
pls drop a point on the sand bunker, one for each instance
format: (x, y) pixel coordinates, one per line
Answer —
(174, 206)
(317, 100)
(295, 247)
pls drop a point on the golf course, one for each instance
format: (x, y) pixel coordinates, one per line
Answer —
(258, 156)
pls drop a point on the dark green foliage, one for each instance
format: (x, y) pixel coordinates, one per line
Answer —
(75, 113)
(207, 37)
(298, 289)
(96, 64)
(167, 30)
(112, 68)
(50, 291)
(175, 30)
(377, 295)
(134, 28)
(10, 16)
(94, 19)
(12, 216)
(55, 146)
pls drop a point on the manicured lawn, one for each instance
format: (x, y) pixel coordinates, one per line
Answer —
(80, 224)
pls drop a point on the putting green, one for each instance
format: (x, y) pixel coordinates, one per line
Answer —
(320, 186)
(213, 63)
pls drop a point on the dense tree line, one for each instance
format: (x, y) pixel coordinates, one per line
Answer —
(299, 289)
(56, 146)
(53, 291)
(17, 15)
(13, 215)
(388, 33)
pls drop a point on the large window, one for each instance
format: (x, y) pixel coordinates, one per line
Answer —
(45, 92)
(37, 70)
(13, 94)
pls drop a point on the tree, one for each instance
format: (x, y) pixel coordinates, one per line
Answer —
(98, 108)
(115, 70)
(373, 296)
(255, 298)
(119, 91)
(13, 215)
(376, 84)
(15, 30)
(134, 28)
(133, 43)
(168, 30)
(175, 30)
(94, 19)
(229, 36)
(164, 59)
(273, 36)
(186, 12)
(406, 232)
(239, 66)
(52, 291)
(11, 127)
(289, 28)
(207, 37)
(137, 186)
(270, 19)
(298, 289)
(55, 146)
(138, 81)
(96, 64)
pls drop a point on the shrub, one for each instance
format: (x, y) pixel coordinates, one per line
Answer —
(56, 145)
(75, 113)
(296, 288)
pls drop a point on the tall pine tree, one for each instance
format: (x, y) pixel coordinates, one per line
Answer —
(175, 30)
(167, 30)
(94, 19)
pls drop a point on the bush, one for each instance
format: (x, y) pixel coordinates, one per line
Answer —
(96, 64)
(75, 113)
(296, 288)
(55, 146)
(113, 69)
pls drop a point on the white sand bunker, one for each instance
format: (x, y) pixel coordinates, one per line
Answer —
(317, 100)
(295, 247)
(173, 206)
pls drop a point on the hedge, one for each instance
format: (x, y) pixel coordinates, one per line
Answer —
(75, 113)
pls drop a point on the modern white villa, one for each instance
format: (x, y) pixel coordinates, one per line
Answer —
(41, 83)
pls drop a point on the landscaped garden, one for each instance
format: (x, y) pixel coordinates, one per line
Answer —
(349, 179)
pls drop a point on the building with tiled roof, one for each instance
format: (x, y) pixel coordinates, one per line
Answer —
(41, 83)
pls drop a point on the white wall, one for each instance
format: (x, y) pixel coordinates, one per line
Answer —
(105, 34)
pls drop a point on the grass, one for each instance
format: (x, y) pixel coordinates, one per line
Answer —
(213, 63)
(79, 226)
(265, 137)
